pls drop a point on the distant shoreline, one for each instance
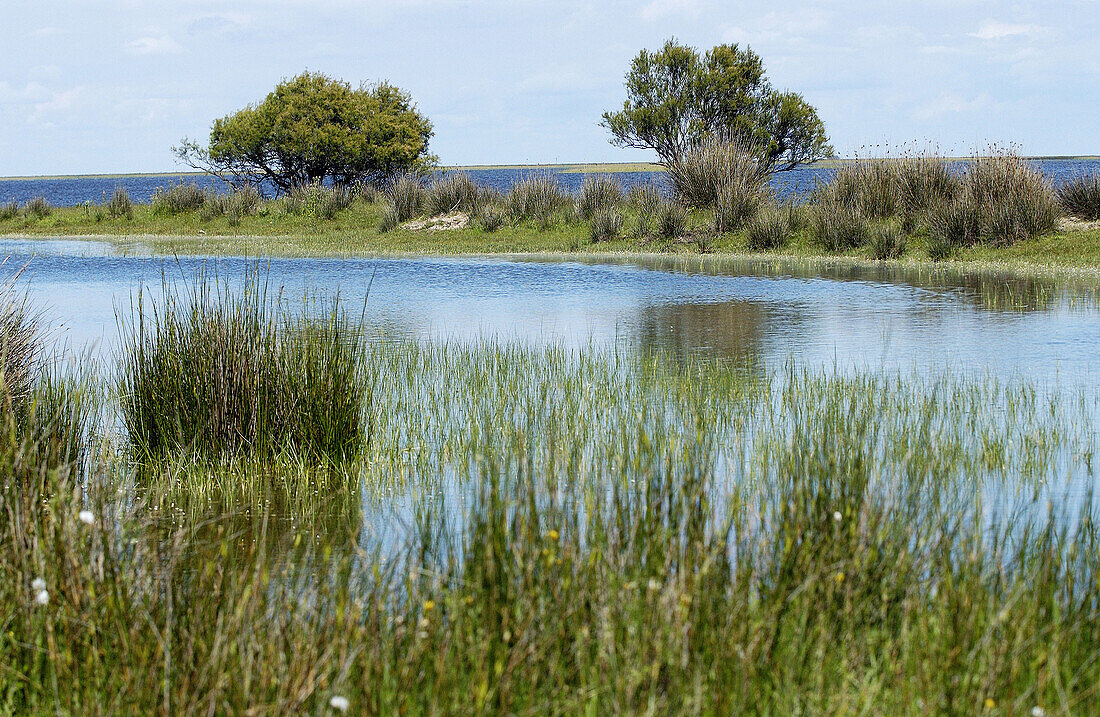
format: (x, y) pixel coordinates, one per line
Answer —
(566, 167)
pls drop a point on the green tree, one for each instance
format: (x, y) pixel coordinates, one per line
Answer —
(677, 99)
(312, 128)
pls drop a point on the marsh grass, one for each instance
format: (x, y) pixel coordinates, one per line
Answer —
(9, 210)
(1081, 196)
(538, 198)
(455, 191)
(219, 374)
(714, 167)
(636, 534)
(406, 194)
(840, 226)
(599, 193)
(37, 208)
(644, 200)
(120, 205)
(606, 224)
(178, 199)
(770, 228)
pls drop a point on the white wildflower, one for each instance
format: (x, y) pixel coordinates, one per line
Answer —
(42, 598)
(1038, 711)
(837, 516)
(86, 517)
(38, 585)
(337, 702)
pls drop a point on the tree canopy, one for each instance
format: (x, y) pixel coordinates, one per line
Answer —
(313, 128)
(677, 99)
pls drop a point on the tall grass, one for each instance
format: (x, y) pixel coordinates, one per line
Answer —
(455, 191)
(178, 198)
(218, 374)
(9, 210)
(1081, 196)
(645, 200)
(120, 205)
(635, 535)
(37, 208)
(406, 194)
(712, 168)
(599, 193)
(537, 198)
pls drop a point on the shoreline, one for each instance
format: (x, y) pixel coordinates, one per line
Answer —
(293, 247)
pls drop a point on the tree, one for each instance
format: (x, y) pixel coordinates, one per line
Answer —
(312, 128)
(677, 100)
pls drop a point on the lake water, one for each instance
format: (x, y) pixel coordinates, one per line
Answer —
(66, 192)
(1007, 327)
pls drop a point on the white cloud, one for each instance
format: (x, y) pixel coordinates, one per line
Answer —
(161, 45)
(952, 103)
(660, 9)
(1000, 30)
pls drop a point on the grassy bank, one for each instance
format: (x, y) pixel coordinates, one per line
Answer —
(354, 232)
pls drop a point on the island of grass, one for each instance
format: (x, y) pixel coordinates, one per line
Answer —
(999, 211)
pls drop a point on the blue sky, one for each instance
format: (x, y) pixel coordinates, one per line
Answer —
(109, 86)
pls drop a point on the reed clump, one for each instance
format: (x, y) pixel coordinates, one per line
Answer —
(645, 201)
(770, 228)
(715, 167)
(599, 193)
(218, 375)
(538, 198)
(606, 224)
(671, 221)
(120, 205)
(9, 210)
(179, 198)
(37, 208)
(840, 226)
(455, 191)
(406, 194)
(1081, 196)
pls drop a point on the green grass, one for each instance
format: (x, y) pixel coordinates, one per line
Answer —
(354, 232)
(624, 533)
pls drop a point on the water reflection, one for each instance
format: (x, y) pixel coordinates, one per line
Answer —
(725, 330)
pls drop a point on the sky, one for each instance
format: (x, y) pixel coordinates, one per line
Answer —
(97, 87)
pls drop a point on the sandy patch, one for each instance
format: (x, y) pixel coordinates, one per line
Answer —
(440, 223)
(1072, 224)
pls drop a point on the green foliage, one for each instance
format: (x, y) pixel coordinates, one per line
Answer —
(606, 224)
(492, 217)
(1081, 196)
(887, 242)
(177, 199)
(645, 200)
(538, 198)
(313, 128)
(37, 208)
(406, 194)
(216, 376)
(840, 226)
(455, 191)
(390, 218)
(599, 192)
(10, 210)
(671, 221)
(770, 228)
(120, 206)
(677, 100)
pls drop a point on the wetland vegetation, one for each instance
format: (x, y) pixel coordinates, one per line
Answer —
(492, 527)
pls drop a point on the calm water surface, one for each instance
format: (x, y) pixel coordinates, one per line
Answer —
(1046, 331)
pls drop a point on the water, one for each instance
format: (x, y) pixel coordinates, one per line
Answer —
(1045, 330)
(65, 192)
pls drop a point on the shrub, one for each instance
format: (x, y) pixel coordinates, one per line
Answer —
(769, 229)
(840, 226)
(538, 197)
(1015, 200)
(332, 200)
(390, 218)
(455, 191)
(955, 224)
(230, 376)
(406, 194)
(120, 206)
(599, 192)
(672, 219)
(645, 200)
(1081, 197)
(37, 208)
(887, 242)
(869, 186)
(491, 217)
(9, 210)
(607, 222)
(19, 346)
(711, 167)
(737, 203)
(925, 182)
(178, 199)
